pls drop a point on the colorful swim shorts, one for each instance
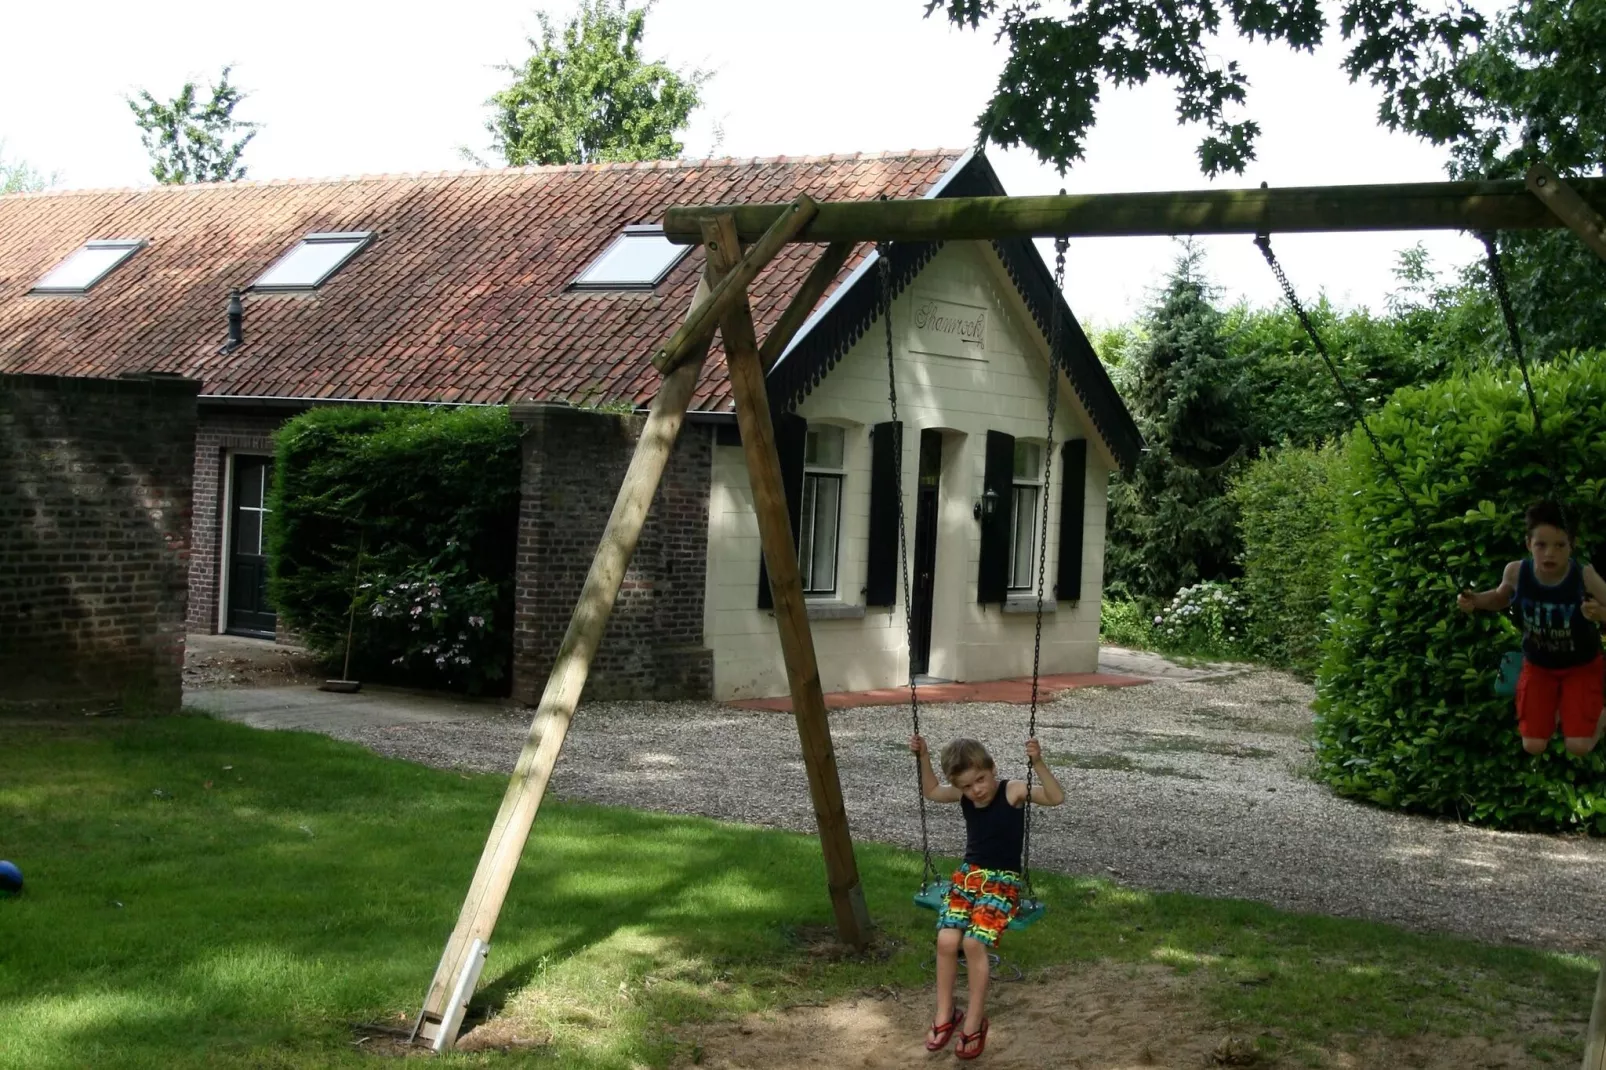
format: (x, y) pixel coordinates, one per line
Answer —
(981, 902)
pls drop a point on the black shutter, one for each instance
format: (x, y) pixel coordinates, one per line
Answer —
(1073, 499)
(791, 432)
(881, 562)
(992, 579)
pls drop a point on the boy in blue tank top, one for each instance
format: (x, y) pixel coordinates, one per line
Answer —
(1559, 600)
(986, 888)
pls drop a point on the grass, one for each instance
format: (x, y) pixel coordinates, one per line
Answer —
(203, 894)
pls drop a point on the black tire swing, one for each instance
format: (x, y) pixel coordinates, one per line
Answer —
(1511, 662)
(933, 893)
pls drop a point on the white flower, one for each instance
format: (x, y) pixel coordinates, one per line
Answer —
(417, 610)
(478, 622)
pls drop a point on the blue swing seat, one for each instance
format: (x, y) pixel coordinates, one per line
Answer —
(1510, 668)
(934, 896)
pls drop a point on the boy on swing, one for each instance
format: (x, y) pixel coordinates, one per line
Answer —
(1558, 600)
(986, 888)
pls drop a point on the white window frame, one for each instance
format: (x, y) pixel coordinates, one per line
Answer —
(1018, 483)
(357, 239)
(806, 529)
(635, 230)
(128, 246)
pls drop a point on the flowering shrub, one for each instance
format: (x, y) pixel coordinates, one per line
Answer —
(1207, 619)
(433, 623)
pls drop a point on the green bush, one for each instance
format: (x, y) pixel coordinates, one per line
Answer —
(431, 498)
(1407, 717)
(1287, 504)
(1125, 622)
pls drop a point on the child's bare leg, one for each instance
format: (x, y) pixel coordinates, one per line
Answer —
(947, 971)
(1578, 746)
(978, 967)
(1534, 745)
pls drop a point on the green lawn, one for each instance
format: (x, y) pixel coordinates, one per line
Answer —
(200, 893)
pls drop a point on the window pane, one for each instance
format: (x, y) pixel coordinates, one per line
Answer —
(1025, 527)
(827, 497)
(633, 260)
(305, 266)
(1028, 460)
(247, 532)
(822, 447)
(248, 481)
(805, 536)
(85, 266)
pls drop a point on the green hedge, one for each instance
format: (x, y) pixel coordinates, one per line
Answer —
(1407, 717)
(431, 498)
(1287, 518)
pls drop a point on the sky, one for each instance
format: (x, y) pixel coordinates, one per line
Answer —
(359, 87)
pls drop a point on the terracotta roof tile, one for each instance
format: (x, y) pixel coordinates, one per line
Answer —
(460, 296)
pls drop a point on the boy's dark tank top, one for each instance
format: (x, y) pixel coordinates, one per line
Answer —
(1555, 632)
(994, 833)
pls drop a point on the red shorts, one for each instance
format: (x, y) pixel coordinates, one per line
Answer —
(1575, 693)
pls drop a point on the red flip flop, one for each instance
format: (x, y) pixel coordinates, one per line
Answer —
(971, 1045)
(941, 1033)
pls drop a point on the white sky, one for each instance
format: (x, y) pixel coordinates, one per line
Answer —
(357, 86)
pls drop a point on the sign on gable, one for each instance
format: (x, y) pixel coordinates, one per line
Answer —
(948, 328)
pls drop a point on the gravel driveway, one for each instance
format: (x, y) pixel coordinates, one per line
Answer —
(1191, 786)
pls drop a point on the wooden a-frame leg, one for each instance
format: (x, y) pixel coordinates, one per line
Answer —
(1567, 206)
(791, 615)
(1595, 1044)
(511, 829)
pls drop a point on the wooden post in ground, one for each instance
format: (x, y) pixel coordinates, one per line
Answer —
(791, 614)
(1568, 206)
(1595, 1045)
(525, 789)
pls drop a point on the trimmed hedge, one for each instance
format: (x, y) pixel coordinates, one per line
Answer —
(1287, 517)
(1407, 717)
(431, 496)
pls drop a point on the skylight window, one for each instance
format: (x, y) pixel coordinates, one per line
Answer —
(87, 265)
(315, 258)
(638, 259)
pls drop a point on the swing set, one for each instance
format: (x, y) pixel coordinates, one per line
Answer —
(738, 242)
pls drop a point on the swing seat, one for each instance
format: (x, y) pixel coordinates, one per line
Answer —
(1510, 669)
(934, 896)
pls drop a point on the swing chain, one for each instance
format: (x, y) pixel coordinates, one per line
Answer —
(1061, 244)
(1497, 276)
(928, 872)
(1263, 241)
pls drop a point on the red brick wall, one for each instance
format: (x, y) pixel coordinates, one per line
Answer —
(574, 461)
(95, 505)
(219, 433)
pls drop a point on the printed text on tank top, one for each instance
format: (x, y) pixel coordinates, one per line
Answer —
(1556, 634)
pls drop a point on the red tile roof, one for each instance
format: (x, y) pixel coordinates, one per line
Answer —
(460, 297)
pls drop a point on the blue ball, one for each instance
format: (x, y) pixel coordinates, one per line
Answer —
(10, 878)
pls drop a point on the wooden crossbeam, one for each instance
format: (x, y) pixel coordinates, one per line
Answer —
(1564, 201)
(791, 612)
(1470, 206)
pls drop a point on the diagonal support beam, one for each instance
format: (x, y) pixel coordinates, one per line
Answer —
(1568, 206)
(699, 326)
(791, 614)
(511, 829)
(808, 295)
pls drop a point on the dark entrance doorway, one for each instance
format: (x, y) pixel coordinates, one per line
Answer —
(249, 612)
(925, 555)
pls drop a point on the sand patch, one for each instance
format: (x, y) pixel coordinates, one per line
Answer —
(1096, 1017)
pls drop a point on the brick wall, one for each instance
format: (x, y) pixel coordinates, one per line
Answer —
(218, 434)
(95, 504)
(574, 461)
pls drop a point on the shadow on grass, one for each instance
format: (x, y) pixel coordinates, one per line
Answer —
(205, 894)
